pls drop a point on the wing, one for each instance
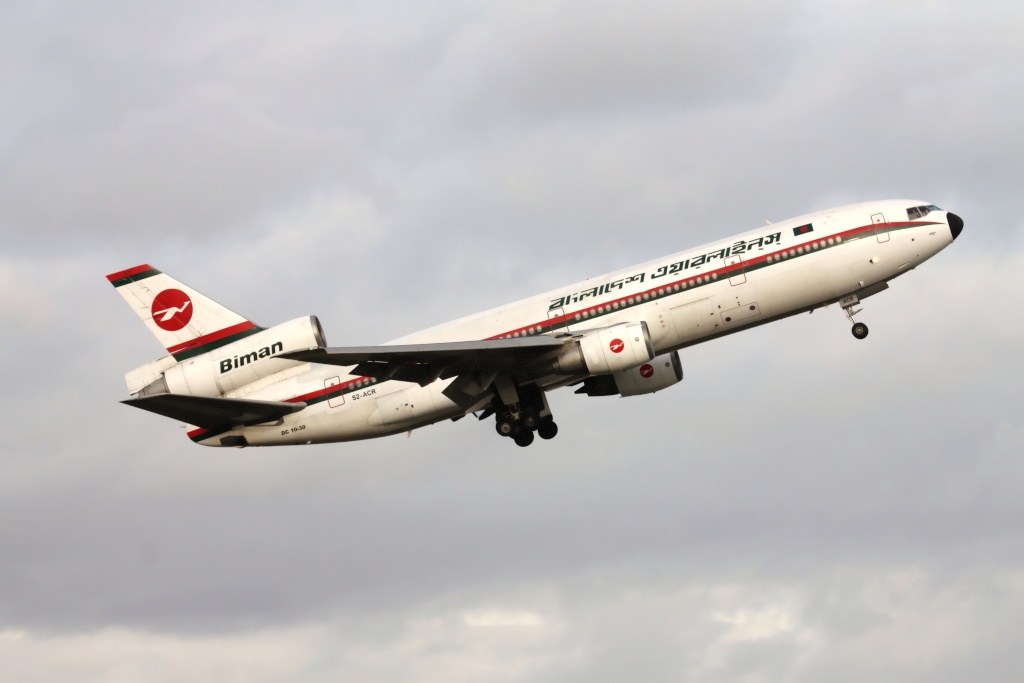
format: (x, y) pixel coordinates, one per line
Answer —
(424, 363)
(205, 411)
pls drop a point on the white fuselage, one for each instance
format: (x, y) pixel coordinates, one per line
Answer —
(685, 298)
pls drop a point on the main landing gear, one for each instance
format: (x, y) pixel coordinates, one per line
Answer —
(524, 418)
(859, 330)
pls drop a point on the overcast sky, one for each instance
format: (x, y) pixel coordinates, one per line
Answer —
(802, 507)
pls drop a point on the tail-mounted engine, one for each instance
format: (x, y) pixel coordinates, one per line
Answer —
(661, 373)
(606, 350)
(232, 366)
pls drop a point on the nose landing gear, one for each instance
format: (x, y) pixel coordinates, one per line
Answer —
(859, 330)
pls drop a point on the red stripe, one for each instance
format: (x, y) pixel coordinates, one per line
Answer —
(326, 390)
(315, 394)
(297, 399)
(212, 337)
(719, 272)
(120, 275)
(570, 317)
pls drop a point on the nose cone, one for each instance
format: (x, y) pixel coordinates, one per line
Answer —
(956, 224)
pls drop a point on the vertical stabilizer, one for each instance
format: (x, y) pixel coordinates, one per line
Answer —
(186, 322)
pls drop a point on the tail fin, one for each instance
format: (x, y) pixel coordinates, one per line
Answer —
(186, 322)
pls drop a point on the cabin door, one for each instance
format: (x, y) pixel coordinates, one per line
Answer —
(559, 323)
(734, 266)
(881, 227)
(336, 399)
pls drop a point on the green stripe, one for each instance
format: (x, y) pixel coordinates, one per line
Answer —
(135, 278)
(205, 348)
(337, 391)
(746, 267)
(547, 326)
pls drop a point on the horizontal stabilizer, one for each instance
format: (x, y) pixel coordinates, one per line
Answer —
(210, 412)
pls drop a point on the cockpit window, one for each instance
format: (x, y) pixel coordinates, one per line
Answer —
(921, 211)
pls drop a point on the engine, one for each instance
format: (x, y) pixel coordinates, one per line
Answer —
(237, 364)
(661, 373)
(606, 350)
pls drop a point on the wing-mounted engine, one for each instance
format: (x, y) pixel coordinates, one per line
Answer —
(606, 350)
(234, 365)
(661, 373)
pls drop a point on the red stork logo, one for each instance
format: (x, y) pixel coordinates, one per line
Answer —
(172, 309)
(616, 345)
(646, 371)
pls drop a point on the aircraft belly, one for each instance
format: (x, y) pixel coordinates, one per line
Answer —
(798, 286)
(402, 407)
(874, 262)
(412, 405)
(363, 416)
(694, 320)
(315, 424)
(660, 325)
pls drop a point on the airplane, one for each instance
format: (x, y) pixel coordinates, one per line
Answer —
(237, 384)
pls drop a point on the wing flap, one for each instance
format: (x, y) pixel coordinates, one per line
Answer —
(423, 353)
(424, 363)
(211, 412)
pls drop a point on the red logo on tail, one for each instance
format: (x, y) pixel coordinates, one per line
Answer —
(172, 309)
(616, 346)
(646, 371)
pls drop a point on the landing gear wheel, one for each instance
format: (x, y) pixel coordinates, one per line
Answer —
(505, 427)
(860, 330)
(523, 439)
(530, 420)
(547, 430)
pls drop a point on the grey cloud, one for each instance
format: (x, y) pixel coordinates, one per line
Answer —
(554, 59)
(181, 172)
(846, 477)
(801, 506)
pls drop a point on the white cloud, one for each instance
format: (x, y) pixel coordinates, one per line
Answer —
(120, 655)
(502, 618)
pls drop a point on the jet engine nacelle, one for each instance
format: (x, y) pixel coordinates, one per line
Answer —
(606, 350)
(661, 373)
(234, 365)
